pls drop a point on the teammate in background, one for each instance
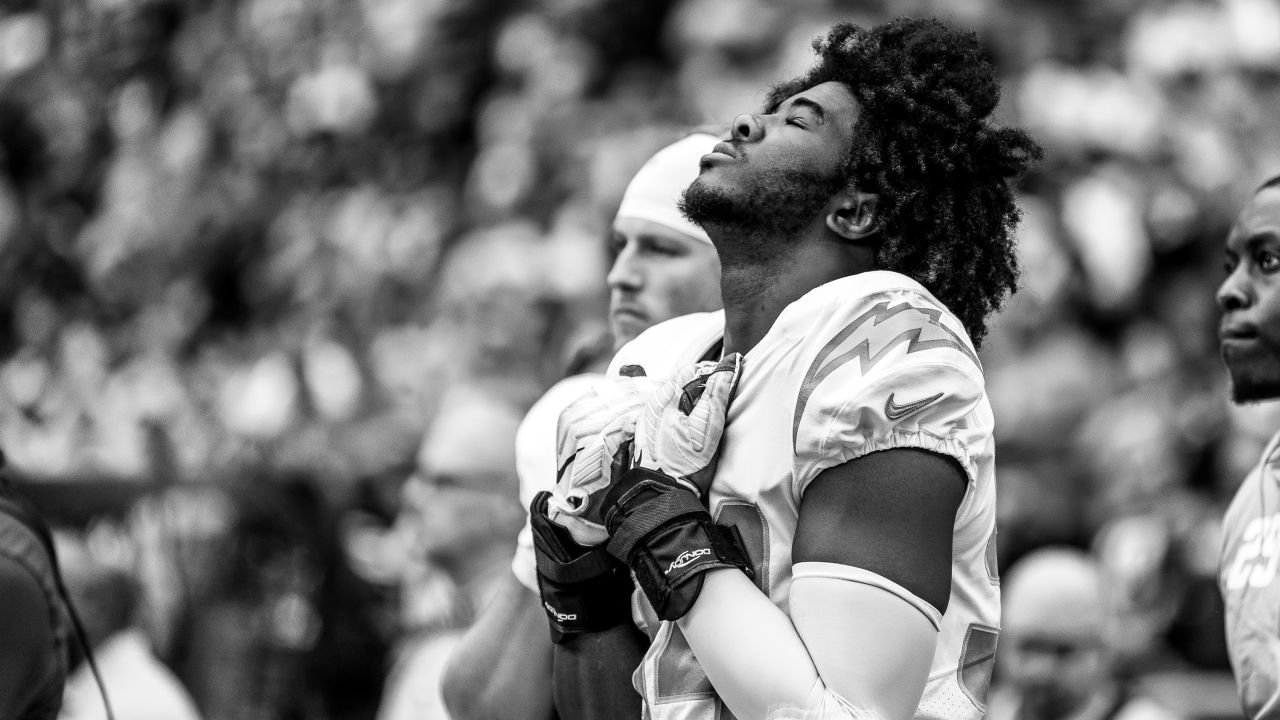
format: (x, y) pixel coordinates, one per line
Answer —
(1249, 299)
(1057, 660)
(864, 222)
(664, 267)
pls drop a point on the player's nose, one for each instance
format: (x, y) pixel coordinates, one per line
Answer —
(747, 128)
(625, 273)
(1233, 293)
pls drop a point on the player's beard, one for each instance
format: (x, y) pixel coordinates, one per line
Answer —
(1255, 374)
(759, 221)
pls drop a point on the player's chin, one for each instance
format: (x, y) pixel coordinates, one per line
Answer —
(626, 326)
(713, 181)
(1253, 381)
(709, 202)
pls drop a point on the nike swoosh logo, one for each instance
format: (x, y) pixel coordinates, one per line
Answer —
(894, 411)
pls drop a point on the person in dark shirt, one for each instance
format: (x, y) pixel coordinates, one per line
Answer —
(33, 622)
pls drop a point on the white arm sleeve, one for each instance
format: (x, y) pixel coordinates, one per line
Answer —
(855, 646)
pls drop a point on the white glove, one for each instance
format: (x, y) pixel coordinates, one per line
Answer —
(681, 425)
(590, 433)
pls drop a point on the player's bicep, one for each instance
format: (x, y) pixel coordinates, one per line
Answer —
(891, 513)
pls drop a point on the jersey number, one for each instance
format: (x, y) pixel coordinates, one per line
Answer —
(679, 675)
(1257, 554)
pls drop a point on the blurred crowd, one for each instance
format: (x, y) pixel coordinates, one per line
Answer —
(256, 254)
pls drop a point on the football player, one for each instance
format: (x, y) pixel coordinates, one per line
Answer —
(664, 267)
(1249, 299)
(812, 523)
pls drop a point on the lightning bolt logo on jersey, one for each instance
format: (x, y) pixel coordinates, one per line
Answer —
(864, 363)
(871, 336)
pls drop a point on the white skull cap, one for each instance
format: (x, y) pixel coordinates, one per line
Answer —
(654, 191)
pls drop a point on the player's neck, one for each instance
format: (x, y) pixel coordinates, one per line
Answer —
(756, 293)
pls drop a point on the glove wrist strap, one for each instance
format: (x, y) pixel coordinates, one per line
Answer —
(587, 566)
(669, 540)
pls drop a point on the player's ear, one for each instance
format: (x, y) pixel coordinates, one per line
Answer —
(853, 215)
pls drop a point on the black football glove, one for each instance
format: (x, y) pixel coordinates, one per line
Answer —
(583, 589)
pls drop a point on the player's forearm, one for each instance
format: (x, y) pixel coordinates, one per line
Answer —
(592, 674)
(867, 649)
(501, 669)
(747, 646)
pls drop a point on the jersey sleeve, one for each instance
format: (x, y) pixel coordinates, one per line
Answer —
(895, 371)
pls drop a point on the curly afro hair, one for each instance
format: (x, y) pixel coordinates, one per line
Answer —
(924, 143)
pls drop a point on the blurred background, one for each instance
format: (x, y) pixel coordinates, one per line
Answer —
(254, 254)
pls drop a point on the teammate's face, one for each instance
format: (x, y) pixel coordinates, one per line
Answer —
(1054, 672)
(658, 274)
(778, 171)
(1249, 299)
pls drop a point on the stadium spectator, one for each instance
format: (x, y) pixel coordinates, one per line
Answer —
(137, 685)
(1057, 658)
(461, 516)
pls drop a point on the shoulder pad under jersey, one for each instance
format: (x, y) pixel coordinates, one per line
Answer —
(672, 344)
(884, 365)
(536, 436)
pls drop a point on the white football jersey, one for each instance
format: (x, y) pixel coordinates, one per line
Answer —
(864, 363)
